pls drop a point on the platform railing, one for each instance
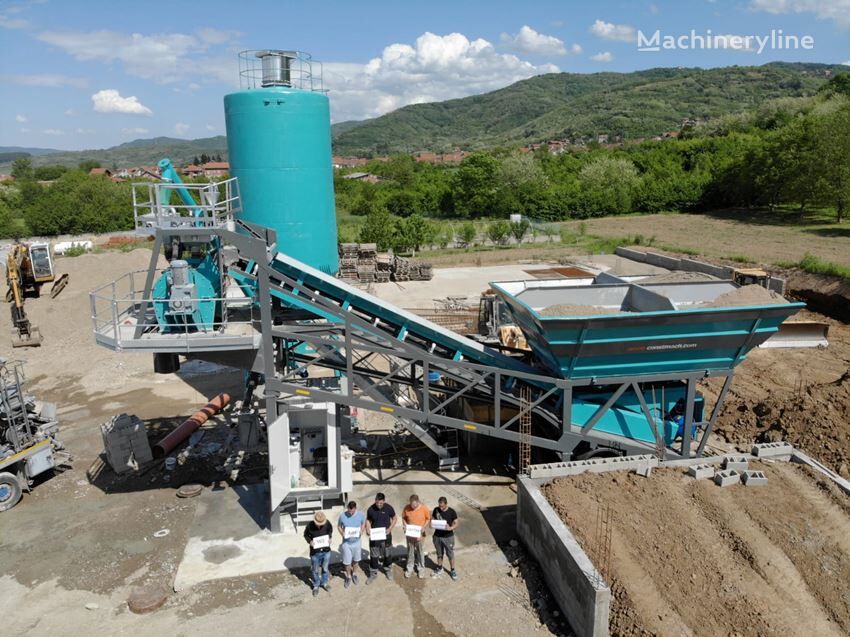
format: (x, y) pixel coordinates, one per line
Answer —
(123, 317)
(165, 205)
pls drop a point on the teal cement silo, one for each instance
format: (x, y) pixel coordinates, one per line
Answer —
(279, 147)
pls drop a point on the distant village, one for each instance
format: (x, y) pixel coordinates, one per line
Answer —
(218, 168)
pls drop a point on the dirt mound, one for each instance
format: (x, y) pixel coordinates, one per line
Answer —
(566, 309)
(815, 418)
(678, 277)
(746, 295)
(688, 557)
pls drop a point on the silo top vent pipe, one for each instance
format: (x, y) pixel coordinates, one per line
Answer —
(276, 67)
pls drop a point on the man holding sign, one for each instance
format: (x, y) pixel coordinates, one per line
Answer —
(380, 520)
(351, 525)
(318, 535)
(444, 522)
(415, 518)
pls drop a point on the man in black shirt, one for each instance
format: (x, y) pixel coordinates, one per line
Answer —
(318, 535)
(444, 521)
(380, 516)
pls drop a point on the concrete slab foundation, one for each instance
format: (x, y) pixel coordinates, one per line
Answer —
(573, 580)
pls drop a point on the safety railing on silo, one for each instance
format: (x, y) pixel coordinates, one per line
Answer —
(273, 67)
(165, 205)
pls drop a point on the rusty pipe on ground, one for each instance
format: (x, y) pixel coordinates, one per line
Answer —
(164, 446)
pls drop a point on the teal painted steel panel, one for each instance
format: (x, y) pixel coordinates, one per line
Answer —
(639, 343)
(279, 147)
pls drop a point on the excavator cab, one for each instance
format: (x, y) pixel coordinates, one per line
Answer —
(41, 263)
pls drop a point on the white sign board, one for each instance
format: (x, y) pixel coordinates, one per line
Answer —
(322, 542)
(413, 530)
(352, 531)
(440, 525)
(378, 534)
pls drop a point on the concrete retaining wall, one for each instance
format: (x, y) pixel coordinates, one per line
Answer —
(572, 579)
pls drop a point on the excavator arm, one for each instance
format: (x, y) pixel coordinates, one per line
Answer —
(24, 333)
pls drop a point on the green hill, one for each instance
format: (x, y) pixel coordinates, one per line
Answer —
(569, 105)
(140, 152)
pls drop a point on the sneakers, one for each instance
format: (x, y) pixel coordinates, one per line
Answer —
(347, 582)
(327, 588)
(389, 573)
(406, 574)
(315, 592)
(454, 574)
(437, 572)
(354, 579)
(420, 574)
(372, 577)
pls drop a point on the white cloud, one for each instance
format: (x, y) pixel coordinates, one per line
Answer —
(181, 129)
(610, 31)
(653, 8)
(575, 49)
(110, 101)
(45, 79)
(434, 68)
(53, 131)
(847, 63)
(8, 22)
(210, 127)
(604, 56)
(836, 10)
(527, 40)
(163, 57)
(85, 131)
(70, 112)
(25, 130)
(138, 130)
(20, 119)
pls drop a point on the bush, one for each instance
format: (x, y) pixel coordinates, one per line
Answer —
(466, 234)
(499, 232)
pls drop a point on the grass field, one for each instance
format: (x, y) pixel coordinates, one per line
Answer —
(746, 237)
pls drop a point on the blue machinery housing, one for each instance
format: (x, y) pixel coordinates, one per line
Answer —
(252, 285)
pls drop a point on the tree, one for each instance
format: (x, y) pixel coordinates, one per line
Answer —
(49, 173)
(87, 164)
(519, 229)
(380, 228)
(465, 234)
(475, 185)
(412, 233)
(608, 186)
(499, 232)
(22, 168)
(834, 159)
(402, 203)
(196, 160)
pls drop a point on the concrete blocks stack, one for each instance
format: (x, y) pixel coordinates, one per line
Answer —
(593, 465)
(701, 472)
(754, 478)
(738, 463)
(778, 450)
(727, 478)
(125, 442)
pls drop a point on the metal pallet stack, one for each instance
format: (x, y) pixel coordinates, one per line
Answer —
(383, 267)
(421, 272)
(348, 260)
(401, 269)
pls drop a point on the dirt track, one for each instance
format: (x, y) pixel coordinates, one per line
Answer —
(688, 557)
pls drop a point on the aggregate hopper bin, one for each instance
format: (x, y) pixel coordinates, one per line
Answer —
(590, 329)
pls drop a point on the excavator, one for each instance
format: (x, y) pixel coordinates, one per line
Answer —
(28, 267)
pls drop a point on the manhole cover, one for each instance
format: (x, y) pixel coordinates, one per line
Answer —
(189, 490)
(147, 599)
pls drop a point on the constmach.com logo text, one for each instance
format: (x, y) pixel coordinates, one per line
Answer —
(660, 348)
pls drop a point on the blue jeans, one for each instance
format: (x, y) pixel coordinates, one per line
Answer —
(320, 563)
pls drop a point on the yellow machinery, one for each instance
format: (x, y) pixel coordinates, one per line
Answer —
(28, 267)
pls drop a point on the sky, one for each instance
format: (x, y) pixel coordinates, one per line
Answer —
(77, 75)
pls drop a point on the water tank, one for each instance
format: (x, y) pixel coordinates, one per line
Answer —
(279, 147)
